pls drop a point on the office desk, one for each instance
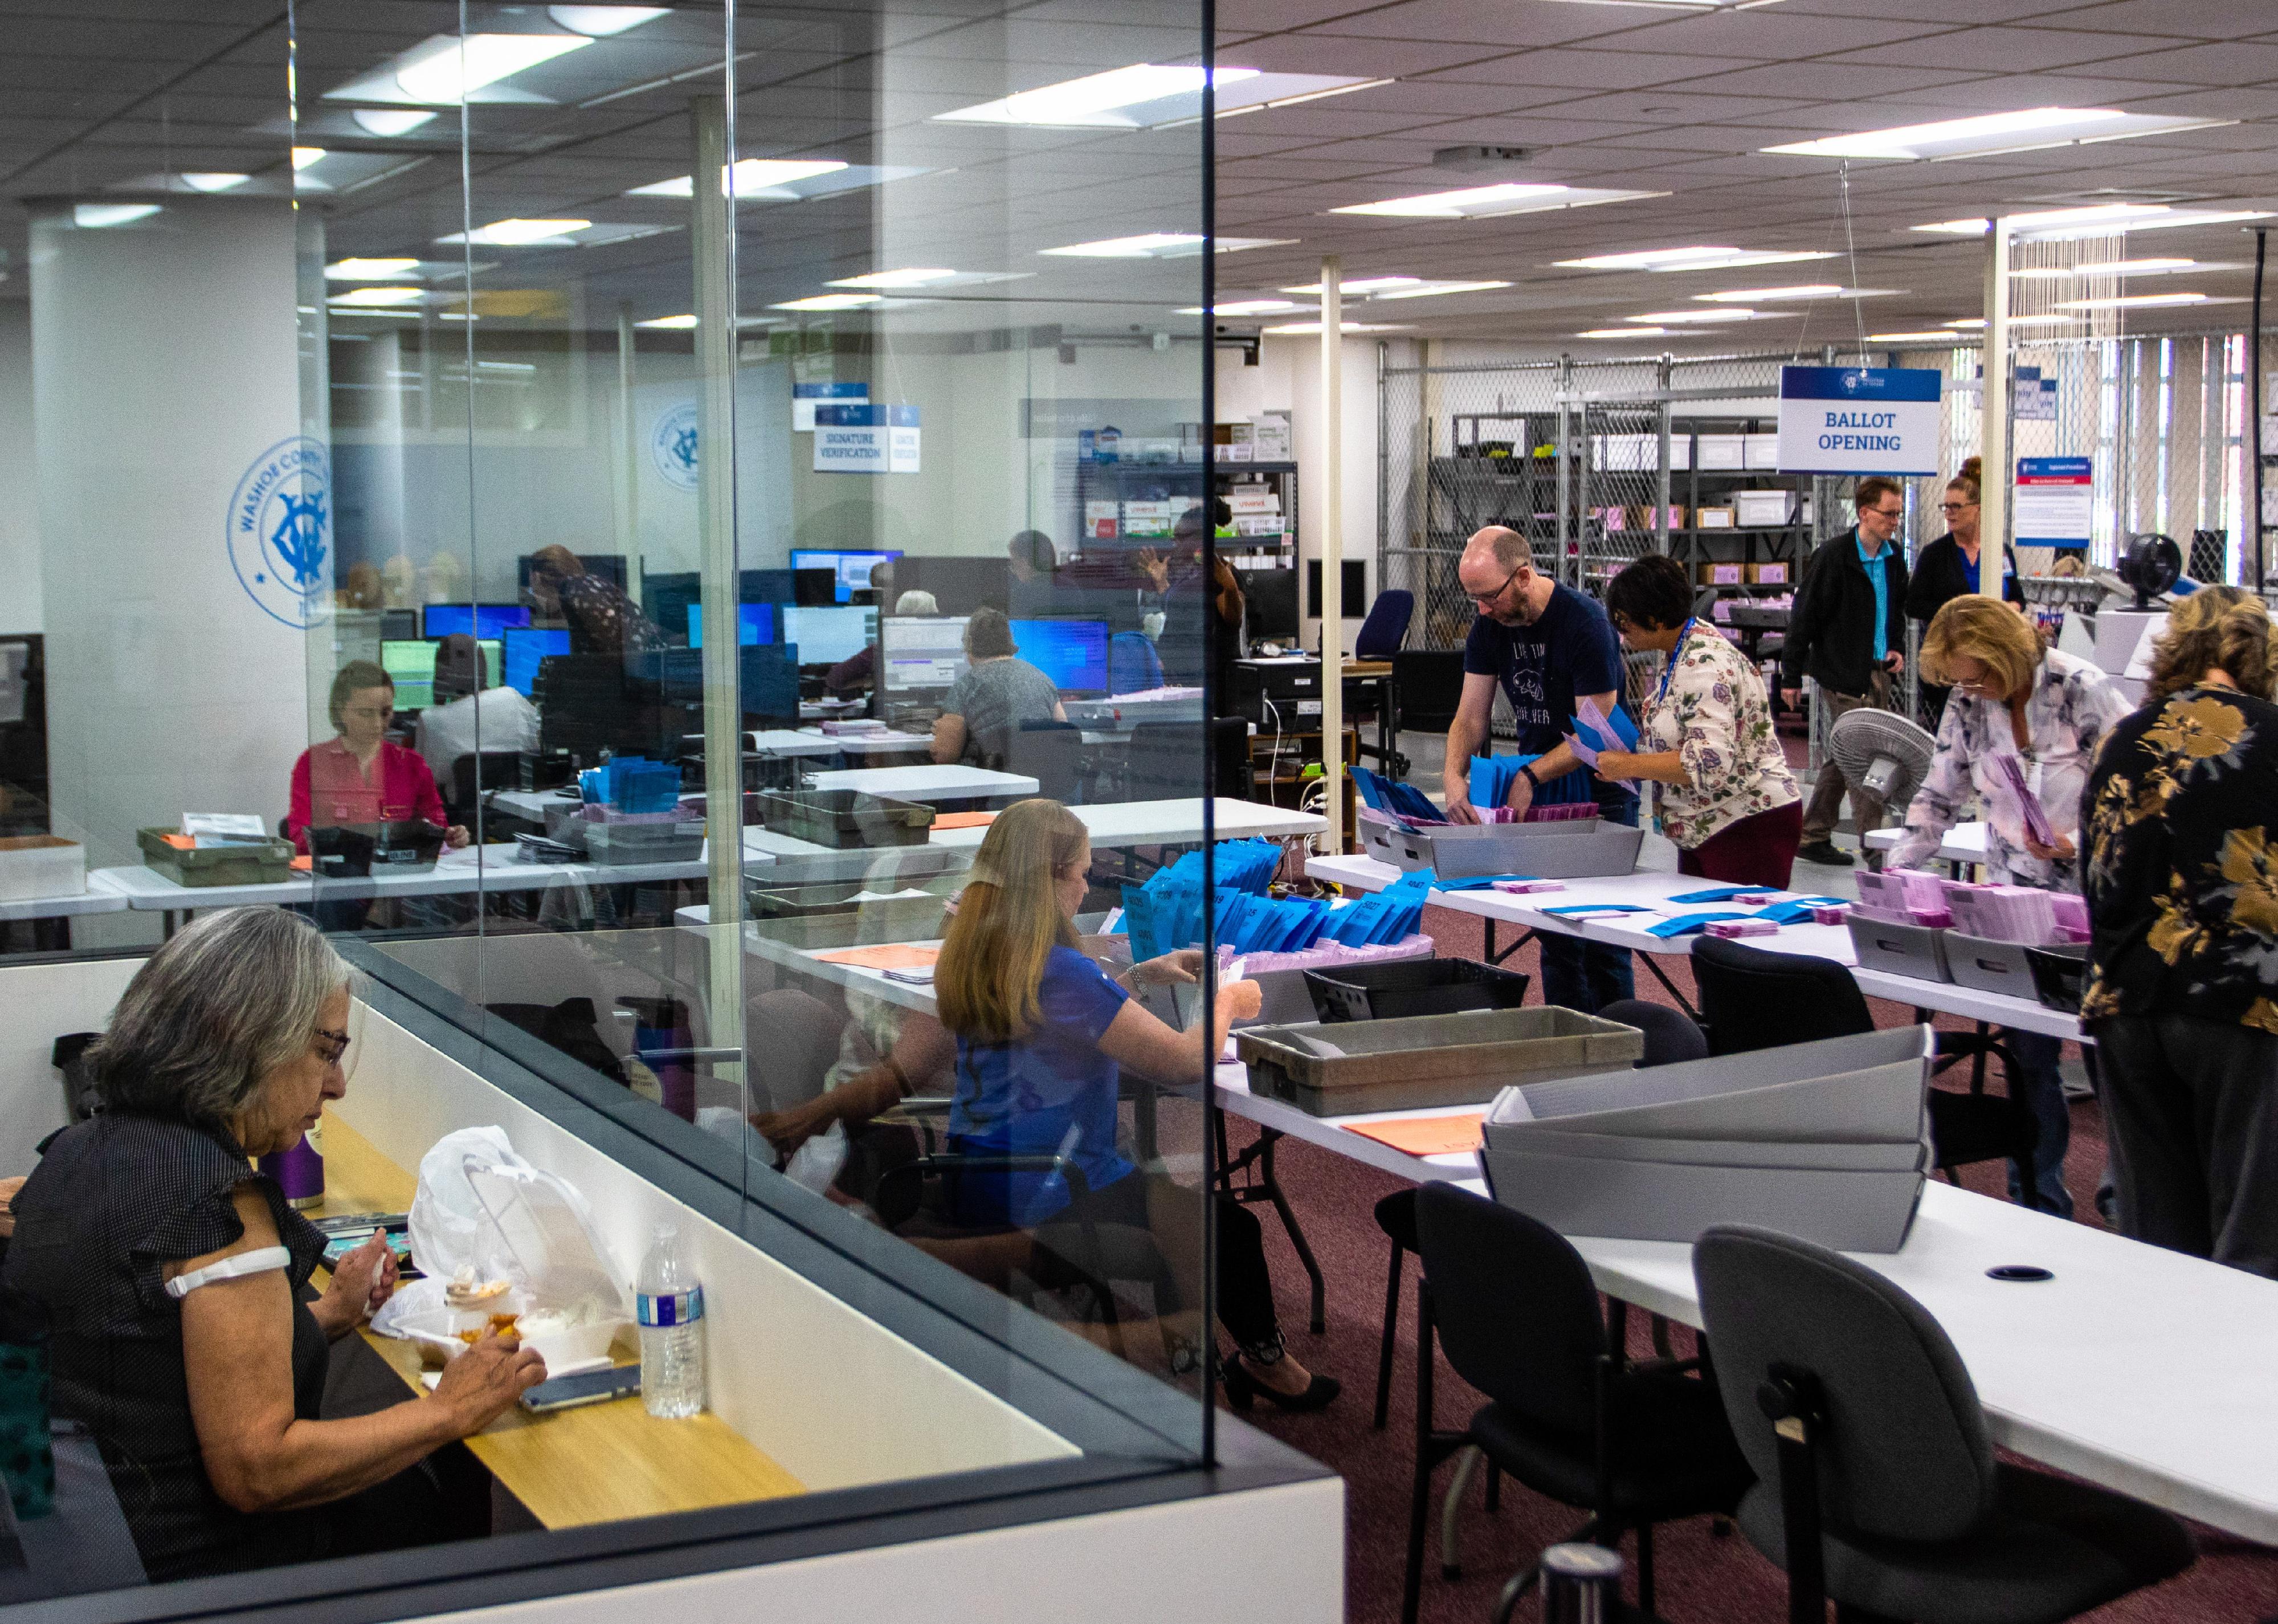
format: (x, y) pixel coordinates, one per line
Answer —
(1653, 890)
(594, 1463)
(868, 746)
(51, 917)
(1963, 843)
(929, 783)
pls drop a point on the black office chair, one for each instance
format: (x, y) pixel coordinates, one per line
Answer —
(1567, 1416)
(1164, 760)
(1051, 753)
(1431, 685)
(1876, 1481)
(1670, 1036)
(472, 773)
(1751, 999)
(1385, 632)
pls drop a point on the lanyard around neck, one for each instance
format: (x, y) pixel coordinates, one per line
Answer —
(1670, 671)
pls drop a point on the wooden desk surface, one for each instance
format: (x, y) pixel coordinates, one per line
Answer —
(599, 1463)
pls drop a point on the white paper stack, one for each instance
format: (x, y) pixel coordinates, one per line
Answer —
(1829, 1141)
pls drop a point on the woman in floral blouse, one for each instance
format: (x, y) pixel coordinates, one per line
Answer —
(2049, 711)
(1730, 804)
(2182, 994)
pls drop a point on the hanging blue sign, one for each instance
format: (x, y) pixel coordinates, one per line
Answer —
(1859, 419)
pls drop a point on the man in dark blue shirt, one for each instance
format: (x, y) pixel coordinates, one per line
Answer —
(1547, 648)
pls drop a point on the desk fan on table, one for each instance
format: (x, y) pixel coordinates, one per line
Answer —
(1880, 752)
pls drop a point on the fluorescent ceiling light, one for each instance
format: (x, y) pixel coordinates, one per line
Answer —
(1271, 83)
(1800, 290)
(521, 233)
(1312, 329)
(1936, 335)
(1161, 245)
(302, 157)
(2054, 319)
(370, 270)
(602, 21)
(2098, 221)
(445, 69)
(1685, 5)
(95, 216)
(752, 176)
(1246, 307)
(1432, 290)
(1362, 285)
(377, 295)
(1679, 318)
(213, 181)
(893, 279)
(391, 120)
(675, 322)
(1473, 202)
(1967, 324)
(1622, 332)
(1151, 96)
(2136, 267)
(829, 301)
(1692, 259)
(1987, 133)
(2132, 302)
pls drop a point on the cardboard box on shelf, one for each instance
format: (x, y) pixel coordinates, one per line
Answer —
(1769, 574)
(1719, 451)
(1713, 519)
(1248, 498)
(1271, 436)
(1759, 451)
(1100, 520)
(1680, 452)
(1763, 509)
(1724, 574)
(1640, 517)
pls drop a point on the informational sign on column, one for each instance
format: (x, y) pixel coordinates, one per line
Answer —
(804, 397)
(1859, 419)
(2036, 396)
(866, 439)
(2055, 501)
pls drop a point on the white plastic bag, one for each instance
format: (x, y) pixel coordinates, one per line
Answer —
(448, 1222)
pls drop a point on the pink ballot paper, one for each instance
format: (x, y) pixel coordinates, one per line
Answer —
(2037, 828)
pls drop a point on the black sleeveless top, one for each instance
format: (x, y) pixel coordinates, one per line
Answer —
(112, 1201)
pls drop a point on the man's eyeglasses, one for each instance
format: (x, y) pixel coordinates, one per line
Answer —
(331, 1046)
(1896, 512)
(1487, 600)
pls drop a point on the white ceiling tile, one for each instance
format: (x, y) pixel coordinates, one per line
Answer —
(2235, 63)
(1668, 106)
(1328, 53)
(1510, 24)
(2005, 92)
(2019, 50)
(1829, 81)
(1594, 70)
(1771, 33)
(2213, 20)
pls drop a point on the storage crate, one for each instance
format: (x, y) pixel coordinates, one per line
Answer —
(40, 866)
(353, 851)
(846, 819)
(1913, 950)
(844, 914)
(1989, 966)
(1412, 987)
(1337, 1069)
(262, 862)
(2058, 971)
(1580, 849)
(618, 844)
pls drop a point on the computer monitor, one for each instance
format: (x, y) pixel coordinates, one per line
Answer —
(525, 647)
(826, 636)
(410, 665)
(478, 620)
(770, 684)
(921, 654)
(1353, 578)
(852, 569)
(494, 659)
(1072, 653)
(665, 595)
(399, 626)
(1269, 604)
(755, 623)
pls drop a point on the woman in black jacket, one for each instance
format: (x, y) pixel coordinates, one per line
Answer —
(1947, 569)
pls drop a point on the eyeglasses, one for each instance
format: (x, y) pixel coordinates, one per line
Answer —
(1487, 600)
(1955, 507)
(331, 1046)
(1896, 512)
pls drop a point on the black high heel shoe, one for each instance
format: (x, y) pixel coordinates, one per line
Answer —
(1243, 1389)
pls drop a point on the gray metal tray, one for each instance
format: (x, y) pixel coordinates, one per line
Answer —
(1913, 950)
(1989, 966)
(1576, 850)
(1335, 1069)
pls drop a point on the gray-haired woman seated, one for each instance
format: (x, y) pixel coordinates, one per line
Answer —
(172, 1272)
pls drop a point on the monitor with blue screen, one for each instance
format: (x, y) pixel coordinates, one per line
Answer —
(525, 647)
(756, 624)
(1072, 653)
(826, 636)
(410, 666)
(481, 620)
(852, 569)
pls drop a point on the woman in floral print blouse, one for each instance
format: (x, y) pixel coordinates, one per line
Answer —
(1730, 803)
(2181, 993)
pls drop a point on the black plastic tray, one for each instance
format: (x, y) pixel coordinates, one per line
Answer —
(1412, 987)
(846, 819)
(2058, 969)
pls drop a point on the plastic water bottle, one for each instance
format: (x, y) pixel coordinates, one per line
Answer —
(669, 1304)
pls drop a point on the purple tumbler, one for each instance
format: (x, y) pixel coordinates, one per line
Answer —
(300, 1171)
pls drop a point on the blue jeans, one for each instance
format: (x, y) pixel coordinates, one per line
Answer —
(1585, 975)
(2043, 1089)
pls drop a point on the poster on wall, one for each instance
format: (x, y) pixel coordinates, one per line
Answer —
(2055, 501)
(867, 439)
(804, 397)
(2036, 396)
(1859, 419)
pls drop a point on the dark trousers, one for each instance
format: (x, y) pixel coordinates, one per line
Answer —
(1245, 1290)
(1586, 976)
(2042, 1086)
(1756, 851)
(2193, 1107)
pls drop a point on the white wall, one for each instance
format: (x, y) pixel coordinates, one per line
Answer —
(20, 605)
(45, 1000)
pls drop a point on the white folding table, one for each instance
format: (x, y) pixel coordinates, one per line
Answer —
(928, 783)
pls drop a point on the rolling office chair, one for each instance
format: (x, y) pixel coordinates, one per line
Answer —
(1876, 1483)
(1385, 632)
(1567, 1415)
(1751, 999)
(1051, 753)
(1132, 665)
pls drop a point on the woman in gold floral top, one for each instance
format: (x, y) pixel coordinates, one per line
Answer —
(2182, 994)
(1730, 804)
(2011, 698)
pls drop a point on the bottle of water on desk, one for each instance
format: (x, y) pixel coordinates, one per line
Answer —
(669, 1303)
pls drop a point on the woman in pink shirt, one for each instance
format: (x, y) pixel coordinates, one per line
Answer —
(361, 777)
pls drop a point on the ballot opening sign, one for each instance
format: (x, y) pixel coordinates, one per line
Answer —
(1859, 419)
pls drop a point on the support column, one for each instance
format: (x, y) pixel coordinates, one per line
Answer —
(1333, 548)
(1993, 487)
(184, 522)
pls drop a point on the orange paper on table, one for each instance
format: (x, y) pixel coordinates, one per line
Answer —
(180, 842)
(963, 820)
(884, 956)
(1428, 1136)
(304, 864)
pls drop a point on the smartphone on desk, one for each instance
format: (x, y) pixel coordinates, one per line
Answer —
(587, 1387)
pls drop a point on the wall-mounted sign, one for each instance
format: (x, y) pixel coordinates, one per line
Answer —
(278, 530)
(866, 439)
(1859, 419)
(2055, 501)
(672, 446)
(2036, 396)
(804, 397)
